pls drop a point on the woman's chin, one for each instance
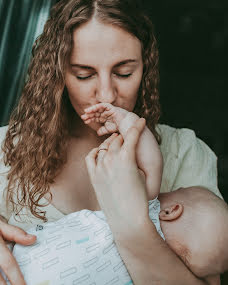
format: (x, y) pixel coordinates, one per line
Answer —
(94, 126)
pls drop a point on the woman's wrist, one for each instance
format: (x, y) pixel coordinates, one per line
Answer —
(137, 234)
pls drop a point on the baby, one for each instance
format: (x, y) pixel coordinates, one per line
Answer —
(80, 249)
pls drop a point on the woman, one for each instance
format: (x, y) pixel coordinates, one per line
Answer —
(91, 51)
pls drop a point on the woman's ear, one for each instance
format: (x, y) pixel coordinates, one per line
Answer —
(171, 213)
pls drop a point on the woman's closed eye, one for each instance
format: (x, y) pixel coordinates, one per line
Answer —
(117, 74)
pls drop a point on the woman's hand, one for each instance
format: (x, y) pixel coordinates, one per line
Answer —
(117, 182)
(8, 263)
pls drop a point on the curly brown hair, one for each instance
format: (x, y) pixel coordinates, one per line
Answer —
(40, 126)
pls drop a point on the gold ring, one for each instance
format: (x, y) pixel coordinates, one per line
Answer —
(102, 149)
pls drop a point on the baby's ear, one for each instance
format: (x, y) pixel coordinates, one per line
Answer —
(171, 213)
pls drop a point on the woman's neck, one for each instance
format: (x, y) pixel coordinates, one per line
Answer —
(87, 133)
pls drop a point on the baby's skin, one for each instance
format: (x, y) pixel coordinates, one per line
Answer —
(148, 154)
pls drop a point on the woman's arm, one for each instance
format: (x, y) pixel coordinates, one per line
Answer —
(122, 196)
(149, 259)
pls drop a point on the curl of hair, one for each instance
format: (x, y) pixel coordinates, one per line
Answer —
(40, 126)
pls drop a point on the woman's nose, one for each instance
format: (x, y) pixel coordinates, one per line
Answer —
(106, 91)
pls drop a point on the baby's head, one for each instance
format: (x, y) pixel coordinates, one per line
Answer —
(195, 225)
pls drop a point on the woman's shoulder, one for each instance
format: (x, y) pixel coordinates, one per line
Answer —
(178, 141)
(3, 177)
(3, 131)
(188, 161)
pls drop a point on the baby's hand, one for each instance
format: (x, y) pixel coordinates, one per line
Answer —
(106, 114)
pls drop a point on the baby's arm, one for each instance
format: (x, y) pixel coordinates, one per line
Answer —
(148, 155)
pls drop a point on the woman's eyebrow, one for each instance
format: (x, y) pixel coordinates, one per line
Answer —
(125, 62)
(116, 65)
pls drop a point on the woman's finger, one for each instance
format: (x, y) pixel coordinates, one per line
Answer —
(100, 155)
(103, 148)
(10, 266)
(107, 142)
(13, 233)
(116, 144)
(132, 137)
(93, 156)
(2, 281)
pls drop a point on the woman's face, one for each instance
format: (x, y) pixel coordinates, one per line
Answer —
(105, 66)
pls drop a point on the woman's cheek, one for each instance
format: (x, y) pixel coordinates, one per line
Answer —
(81, 101)
(130, 98)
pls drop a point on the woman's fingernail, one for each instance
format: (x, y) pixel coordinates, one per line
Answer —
(28, 236)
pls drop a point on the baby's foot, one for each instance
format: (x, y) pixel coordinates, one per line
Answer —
(106, 114)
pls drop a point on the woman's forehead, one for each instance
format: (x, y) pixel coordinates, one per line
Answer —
(95, 41)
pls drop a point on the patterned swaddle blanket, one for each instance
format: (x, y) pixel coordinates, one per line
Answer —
(78, 249)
